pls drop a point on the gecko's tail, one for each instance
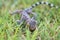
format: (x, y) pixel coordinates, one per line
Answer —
(42, 2)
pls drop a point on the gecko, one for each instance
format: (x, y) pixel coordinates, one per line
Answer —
(26, 17)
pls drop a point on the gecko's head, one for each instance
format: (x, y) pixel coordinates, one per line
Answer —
(32, 25)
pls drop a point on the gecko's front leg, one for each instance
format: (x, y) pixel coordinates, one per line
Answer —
(34, 15)
(20, 21)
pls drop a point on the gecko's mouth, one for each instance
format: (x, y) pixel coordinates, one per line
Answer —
(32, 28)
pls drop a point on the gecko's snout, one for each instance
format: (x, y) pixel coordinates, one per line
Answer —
(32, 26)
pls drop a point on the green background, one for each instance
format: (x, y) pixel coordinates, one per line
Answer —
(48, 19)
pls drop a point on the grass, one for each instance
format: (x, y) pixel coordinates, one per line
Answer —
(48, 18)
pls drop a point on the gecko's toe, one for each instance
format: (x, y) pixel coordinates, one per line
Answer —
(18, 21)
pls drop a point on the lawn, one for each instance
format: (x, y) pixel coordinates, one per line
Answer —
(48, 20)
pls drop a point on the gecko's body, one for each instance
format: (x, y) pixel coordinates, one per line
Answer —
(25, 15)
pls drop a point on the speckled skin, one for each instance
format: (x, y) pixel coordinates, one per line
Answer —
(25, 15)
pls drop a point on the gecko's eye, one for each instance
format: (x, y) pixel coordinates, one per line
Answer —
(32, 22)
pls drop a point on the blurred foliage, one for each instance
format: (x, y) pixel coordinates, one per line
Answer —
(48, 18)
